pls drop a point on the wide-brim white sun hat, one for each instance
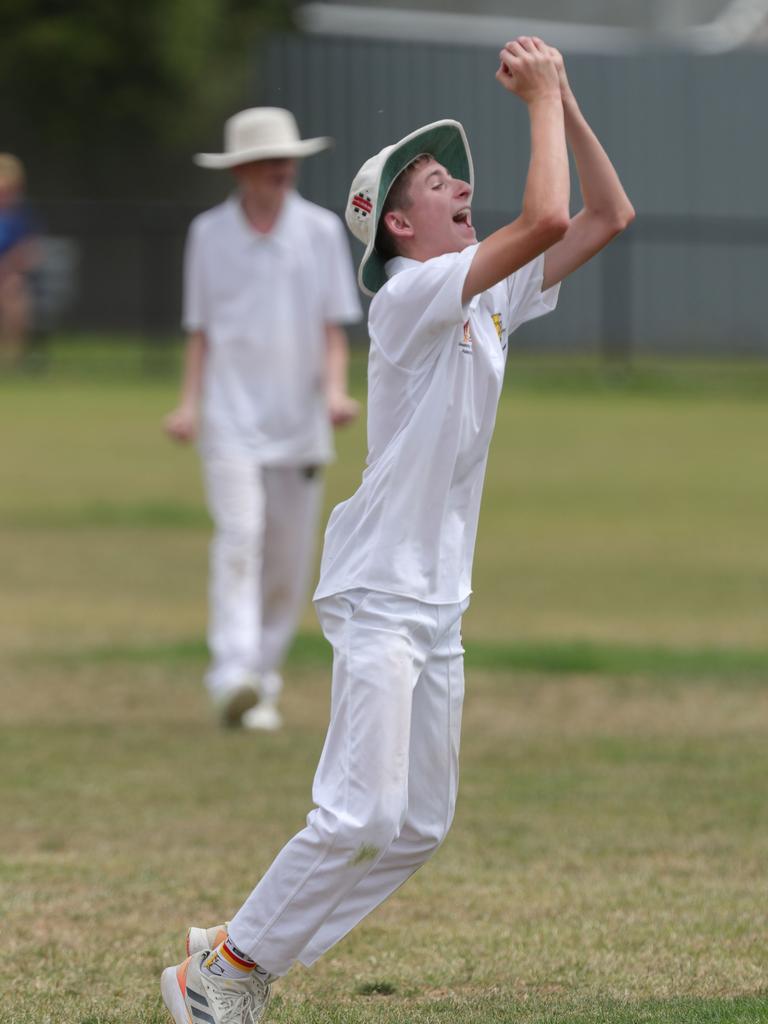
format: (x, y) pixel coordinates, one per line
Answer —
(261, 133)
(445, 140)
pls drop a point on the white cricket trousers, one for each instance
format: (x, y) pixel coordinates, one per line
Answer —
(265, 519)
(385, 787)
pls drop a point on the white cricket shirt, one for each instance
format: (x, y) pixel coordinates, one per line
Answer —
(434, 379)
(263, 301)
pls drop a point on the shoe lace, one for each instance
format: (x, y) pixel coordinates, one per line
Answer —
(242, 1005)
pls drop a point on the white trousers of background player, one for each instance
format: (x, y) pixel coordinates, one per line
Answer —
(265, 519)
(385, 788)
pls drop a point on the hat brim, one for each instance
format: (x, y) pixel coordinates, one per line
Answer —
(291, 150)
(444, 140)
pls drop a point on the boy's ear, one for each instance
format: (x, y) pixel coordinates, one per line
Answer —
(398, 224)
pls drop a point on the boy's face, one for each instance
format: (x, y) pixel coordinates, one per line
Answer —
(266, 180)
(439, 212)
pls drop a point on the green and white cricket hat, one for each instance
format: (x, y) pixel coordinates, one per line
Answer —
(445, 141)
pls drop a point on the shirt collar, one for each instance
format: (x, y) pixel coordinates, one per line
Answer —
(399, 263)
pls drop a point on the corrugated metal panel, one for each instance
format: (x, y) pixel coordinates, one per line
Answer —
(687, 135)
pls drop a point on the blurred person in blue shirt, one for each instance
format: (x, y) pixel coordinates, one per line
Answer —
(18, 258)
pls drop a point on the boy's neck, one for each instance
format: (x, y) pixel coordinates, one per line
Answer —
(262, 212)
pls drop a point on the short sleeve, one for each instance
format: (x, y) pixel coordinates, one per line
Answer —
(526, 299)
(193, 303)
(415, 307)
(16, 226)
(341, 304)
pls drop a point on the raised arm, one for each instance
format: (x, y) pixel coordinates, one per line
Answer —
(529, 70)
(606, 209)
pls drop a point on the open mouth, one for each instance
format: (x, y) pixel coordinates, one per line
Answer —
(463, 216)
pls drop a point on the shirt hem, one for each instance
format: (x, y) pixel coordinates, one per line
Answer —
(238, 451)
(322, 592)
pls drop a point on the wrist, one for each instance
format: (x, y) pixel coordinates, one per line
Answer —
(549, 98)
(569, 100)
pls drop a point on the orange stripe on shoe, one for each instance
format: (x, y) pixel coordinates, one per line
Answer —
(181, 975)
(221, 936)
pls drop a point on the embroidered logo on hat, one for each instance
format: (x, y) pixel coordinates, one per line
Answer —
(361, 204)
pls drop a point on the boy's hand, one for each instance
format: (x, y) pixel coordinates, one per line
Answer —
(342, 409)
(529, 69)
(565, 85)
(181, 424)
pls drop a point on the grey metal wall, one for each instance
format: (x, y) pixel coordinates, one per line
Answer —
(686, 133)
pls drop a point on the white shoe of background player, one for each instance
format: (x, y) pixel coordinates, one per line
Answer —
(264, 716)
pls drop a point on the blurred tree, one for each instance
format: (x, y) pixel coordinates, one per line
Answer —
(98, 80)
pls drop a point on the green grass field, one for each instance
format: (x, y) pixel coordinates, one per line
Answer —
(608, 860)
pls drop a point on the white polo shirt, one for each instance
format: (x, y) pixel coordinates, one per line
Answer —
(263, 301)
(434, 379)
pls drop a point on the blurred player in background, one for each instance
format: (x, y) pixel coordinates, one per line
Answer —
(268, 285)
(395, 576)
(18, 259)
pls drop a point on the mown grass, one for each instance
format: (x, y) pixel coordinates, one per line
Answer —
(623, 660)
(607, 863)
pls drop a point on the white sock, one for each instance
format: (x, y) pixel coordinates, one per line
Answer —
(227, 961)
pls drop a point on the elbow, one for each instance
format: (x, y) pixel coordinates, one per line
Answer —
(620, 220)
(551, 227)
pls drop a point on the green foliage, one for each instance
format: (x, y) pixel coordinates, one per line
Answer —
(92, 73)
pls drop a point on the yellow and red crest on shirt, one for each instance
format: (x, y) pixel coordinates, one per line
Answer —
(496, 317)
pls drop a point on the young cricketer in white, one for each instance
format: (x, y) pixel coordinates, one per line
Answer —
(268, 288)
(395, 575)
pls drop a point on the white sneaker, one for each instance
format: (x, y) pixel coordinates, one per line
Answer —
(193, 995)
(264, 716)
(232, 704)
(200, 939)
